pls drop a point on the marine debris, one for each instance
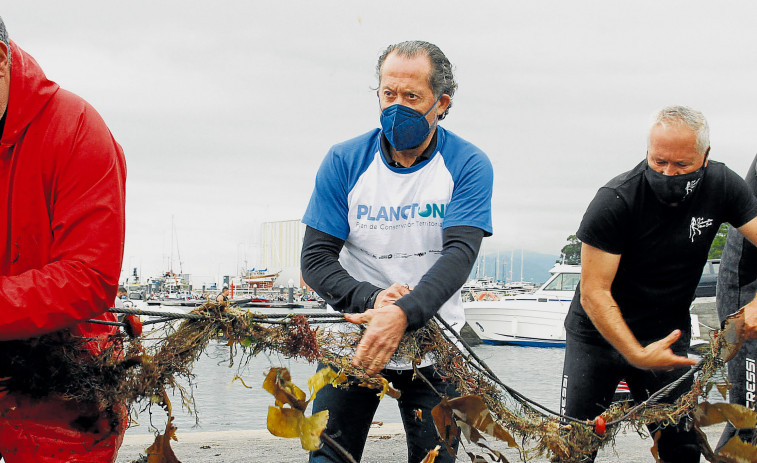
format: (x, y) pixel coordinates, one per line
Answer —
(137, 371)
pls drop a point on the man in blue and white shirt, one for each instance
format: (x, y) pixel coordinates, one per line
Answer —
(394, 226)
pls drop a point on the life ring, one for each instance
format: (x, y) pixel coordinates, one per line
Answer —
(487, 296)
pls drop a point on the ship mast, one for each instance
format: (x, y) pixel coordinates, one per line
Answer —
(521, 264)
(174, 236)
(170, 252)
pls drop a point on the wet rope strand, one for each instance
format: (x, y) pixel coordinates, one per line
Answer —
(517, 395)
(468, 354)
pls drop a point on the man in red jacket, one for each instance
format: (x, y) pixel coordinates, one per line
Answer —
(62, 188)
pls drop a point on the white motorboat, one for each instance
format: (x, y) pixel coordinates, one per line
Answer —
(534, 319)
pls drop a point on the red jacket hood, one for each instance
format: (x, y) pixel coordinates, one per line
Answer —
(30, 91)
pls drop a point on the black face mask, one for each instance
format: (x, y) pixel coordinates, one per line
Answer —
(673, 190)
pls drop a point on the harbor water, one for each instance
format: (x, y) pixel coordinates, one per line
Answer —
(223, 404)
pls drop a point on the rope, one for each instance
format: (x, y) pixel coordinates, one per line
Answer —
(708, 327)
(654, 398)
(157, 320)
(177, 315)
(468, 353)
(105, 322)
(272, 319)
(488, 371)
(155, 313)
(484, 368)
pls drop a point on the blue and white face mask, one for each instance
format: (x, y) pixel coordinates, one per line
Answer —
(404, 127)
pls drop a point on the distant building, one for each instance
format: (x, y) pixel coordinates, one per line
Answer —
(281, 244)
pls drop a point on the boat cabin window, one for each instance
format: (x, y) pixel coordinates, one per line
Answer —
(564, 282)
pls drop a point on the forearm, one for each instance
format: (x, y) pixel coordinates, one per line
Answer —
(444, 278)
(604, 312)
(56, 296)
(750, 319)
(606, 316)
(322, 271)
(749, 230)
(598, 273)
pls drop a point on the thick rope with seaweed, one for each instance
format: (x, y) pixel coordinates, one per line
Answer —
(130, 371)
(575, 440)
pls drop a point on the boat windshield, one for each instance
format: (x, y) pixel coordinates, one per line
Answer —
(564, 282)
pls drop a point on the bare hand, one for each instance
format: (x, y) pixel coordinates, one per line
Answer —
(390, 295)
(386, 325)
(659, 355)
(750, 320)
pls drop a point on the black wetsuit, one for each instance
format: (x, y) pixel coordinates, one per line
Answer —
(737, 284)
(663, 250)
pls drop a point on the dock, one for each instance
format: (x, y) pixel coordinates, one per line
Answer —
(386, 444)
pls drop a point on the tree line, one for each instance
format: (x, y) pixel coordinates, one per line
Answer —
(571, 252)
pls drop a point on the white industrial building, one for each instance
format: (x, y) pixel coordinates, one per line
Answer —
(280, 246)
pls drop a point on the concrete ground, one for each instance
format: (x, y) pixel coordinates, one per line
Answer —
(386, 444)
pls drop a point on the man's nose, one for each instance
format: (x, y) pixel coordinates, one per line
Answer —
(670, 170)
(399, 99)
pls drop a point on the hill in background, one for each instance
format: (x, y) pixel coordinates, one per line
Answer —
(535, 266)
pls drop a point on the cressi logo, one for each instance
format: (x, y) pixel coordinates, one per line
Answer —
(751, 383)
(391, 214)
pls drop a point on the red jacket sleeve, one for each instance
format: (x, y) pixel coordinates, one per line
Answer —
(81, 234)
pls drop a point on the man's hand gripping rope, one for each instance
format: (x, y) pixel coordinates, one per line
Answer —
(386, 324)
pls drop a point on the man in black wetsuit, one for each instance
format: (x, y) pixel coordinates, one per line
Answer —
(646, 236)
(737, 285)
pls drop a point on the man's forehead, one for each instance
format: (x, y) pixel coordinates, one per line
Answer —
(678, 142)
(397, 65)
(672, 131)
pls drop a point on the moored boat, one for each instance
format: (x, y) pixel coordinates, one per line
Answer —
(534, 319)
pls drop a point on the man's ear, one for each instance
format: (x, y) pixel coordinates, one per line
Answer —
(3, 59)
(444, 102)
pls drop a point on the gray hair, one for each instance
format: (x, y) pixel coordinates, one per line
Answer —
(441, 80)
(684, 116)
(4, 38)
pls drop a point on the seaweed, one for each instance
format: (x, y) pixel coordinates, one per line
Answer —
(137, 370)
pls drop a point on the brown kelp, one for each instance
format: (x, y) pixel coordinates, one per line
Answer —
(140, 370)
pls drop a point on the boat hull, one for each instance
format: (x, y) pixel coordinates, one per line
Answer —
(512, 341)
(532, 321)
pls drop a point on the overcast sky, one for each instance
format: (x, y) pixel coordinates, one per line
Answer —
(225, 109)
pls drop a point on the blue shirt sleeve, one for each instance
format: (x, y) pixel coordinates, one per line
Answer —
(327, 210)
(471, 202)
(340, 170)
